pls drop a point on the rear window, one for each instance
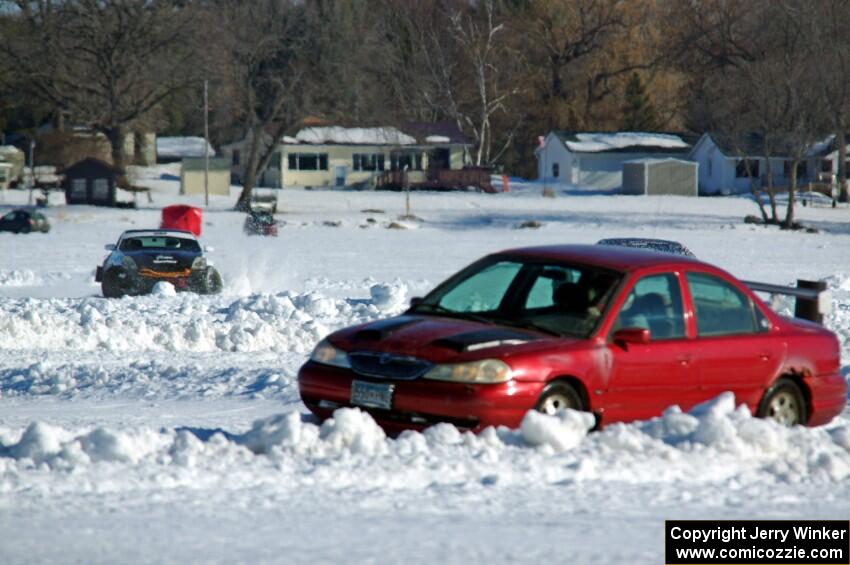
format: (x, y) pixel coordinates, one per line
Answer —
(159, 242)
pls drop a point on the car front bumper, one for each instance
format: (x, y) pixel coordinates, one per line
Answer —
(420, 403)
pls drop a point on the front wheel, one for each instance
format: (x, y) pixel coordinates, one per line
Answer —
(557, 396)
(784, 404)
(112, 284)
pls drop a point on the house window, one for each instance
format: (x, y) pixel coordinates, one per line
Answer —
(100, 189)
(826, 166)
(741, 168)
(78, 188)
(306, 161)
(556, 170)
(709, 167)
(368, 161)
(802, 169)
(410, 159)
(236, 156)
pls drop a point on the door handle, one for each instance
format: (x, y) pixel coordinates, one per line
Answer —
(764, 356)
(684, 360)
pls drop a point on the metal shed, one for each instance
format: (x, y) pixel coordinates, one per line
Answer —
(660, 176)
(192, 176)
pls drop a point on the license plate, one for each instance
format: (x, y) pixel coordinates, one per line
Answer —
(372, 395)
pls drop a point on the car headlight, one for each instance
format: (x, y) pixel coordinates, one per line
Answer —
(199, 263)
(487, 371)
(327, 354)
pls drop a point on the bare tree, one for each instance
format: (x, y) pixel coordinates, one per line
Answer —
(263, 46)
(104, 64)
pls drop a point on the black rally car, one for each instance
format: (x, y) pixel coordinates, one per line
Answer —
(142, 258)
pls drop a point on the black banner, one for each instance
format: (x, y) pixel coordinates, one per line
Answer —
(757, 542)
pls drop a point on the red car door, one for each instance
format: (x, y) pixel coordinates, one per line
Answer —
(736, 349)
(644, 379)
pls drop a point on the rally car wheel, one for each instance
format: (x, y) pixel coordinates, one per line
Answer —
(211, 283)
(113, 284)
(783, 403)
(557, 396)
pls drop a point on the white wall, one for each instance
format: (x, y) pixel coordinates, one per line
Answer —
(554, 153)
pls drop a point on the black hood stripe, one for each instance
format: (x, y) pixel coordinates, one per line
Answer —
(382, 329)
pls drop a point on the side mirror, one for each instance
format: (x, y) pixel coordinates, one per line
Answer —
(209, 248)
(415, 301)
(639, 336)
(109, 247)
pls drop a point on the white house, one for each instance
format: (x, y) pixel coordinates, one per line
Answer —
(723, 162)
(335, 156)
(595, 159)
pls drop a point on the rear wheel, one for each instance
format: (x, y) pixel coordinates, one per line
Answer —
(559, 395)
(210, 282)
(783, 403)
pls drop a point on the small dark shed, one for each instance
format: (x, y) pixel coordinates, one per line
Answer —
(90, 181)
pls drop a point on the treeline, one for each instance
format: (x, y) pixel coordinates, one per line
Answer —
(506, 71)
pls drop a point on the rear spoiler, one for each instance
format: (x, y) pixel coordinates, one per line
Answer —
(813, 299)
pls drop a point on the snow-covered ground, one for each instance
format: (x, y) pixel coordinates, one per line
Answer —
(169, 429)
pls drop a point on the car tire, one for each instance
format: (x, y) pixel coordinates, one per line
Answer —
(783, 403)
(112, 285)
(559, 395)
(211, 282)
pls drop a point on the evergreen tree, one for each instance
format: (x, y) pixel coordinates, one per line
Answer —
(638, 113)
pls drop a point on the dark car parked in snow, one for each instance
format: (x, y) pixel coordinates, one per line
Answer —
(622, 333)
(142, 258)
(24, 221)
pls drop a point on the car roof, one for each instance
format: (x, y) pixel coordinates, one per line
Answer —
(156, 233)
(609, 257)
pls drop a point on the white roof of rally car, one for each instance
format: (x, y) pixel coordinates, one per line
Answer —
(158, 233)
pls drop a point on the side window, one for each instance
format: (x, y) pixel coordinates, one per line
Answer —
(720, 308)
(654, 303)
(483, 291)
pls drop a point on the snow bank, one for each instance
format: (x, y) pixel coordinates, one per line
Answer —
(716, 442)
(280, 322)
(19, 278)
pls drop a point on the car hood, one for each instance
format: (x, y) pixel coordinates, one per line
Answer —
(163, 260)
(440, 339)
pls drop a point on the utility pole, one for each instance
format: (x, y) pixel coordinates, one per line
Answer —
(406, 192)
(206, 145)
(32, 171)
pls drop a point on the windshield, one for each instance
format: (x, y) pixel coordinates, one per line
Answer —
(552, 297)
(168, 243)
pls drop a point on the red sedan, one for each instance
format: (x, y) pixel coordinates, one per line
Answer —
(619, 332)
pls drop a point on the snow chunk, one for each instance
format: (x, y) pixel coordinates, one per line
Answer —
(283, 430)
(565, 430)
(437, 139)
(163, 288)
(388, 296)
(352, 429)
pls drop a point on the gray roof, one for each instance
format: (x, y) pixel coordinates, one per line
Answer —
(626, 141)
(752, 144)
